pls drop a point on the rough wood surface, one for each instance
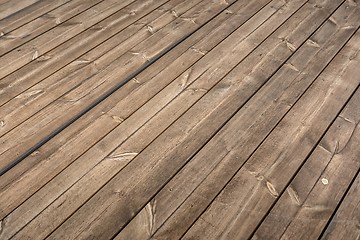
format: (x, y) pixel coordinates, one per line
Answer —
(182, 139)
(345, 224)
(310, 199)
(276, 99)
(44, 23)
(8, 8)
(247, 128)
(28, 14)
(264, 176)
(155, 126)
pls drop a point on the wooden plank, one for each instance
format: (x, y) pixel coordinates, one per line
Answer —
(155, 101)
(89, 20)
(57, 166)
(87, 88)
(10, 7)
(256, 186)
(344, 225)
(28, 14)
(43, 24)
(50, 191)
(215, 164)
(18, 140)
(40, 95)
(127, 192)
(103, 108)
(310, 199)
(145, 91)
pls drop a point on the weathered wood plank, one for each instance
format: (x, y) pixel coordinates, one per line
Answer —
(256, 186)
(28, 14)
(44, 56)
(310, 199)
(11, 7)
(29, 31)
(158, 162)
(66, 209)
(145, 91)
(345, 224)
(174, 194)
(88, 22)
(42, 94)
(87, 142)
(84, 88)
(306, 62)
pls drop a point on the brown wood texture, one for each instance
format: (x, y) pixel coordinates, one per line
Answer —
(259, 182)
(28, 14)
(345, 224)
(41, 124)
(247, 128)
(314, 193)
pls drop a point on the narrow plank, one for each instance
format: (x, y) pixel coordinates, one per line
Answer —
(57, 166)
(18, 140)
(95, 177)
(34, 99)
(42, 24)
(310, 199)
(10, 7)
(32, 50)
(144, 78)
(28, 14)
(79, 96)
(217, 162)
(257, 185)
(159, 162)
(28, 103)
(344, 225)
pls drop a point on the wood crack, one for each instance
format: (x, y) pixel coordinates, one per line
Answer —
(122, 156)
(294, 196)
(151, 211)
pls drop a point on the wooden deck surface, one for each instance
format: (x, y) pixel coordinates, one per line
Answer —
(179, 119)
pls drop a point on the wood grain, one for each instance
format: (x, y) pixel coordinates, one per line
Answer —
(310, 199)
(180, 143)
(24, 139)
(264, 176)
(106, 116)
(145, 112)
(144, 90)
(10, 7)
(248, 128)
(32, 50)
(42, 24)
(212, 172)
(28, 14)
(345, 223)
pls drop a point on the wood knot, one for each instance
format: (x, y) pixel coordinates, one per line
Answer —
(174, 13)
(117, 119)
(122, 156)
(272, 189)
(150, 29)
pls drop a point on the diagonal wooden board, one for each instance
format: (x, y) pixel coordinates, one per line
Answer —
(312, 196)
(252, 132)
(28, 14)
(345, 222)
(19, 140)
(265, 175)
(63, 84)
(204, 45)
(42, 24)
(178, 137)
